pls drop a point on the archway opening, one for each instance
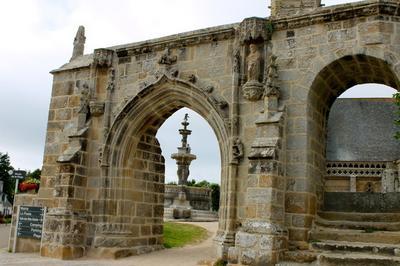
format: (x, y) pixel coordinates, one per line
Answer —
(352, 146)
(192, 175)
(135, 173)
(330, 83)
(334, 80)
(360, 140)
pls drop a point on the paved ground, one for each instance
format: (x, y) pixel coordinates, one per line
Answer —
(186, 256)
(4, 235)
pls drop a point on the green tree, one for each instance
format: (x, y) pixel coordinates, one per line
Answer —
(9, 182)
(396, 97)
(215, 194)
(35, 174)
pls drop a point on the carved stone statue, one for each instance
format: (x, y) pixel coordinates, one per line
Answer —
(253, 64)
(237, 149)
(79, 43)
(253, 88)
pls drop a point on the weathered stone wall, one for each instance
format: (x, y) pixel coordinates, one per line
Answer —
(132, 214)
(264, 86)
(362, 202)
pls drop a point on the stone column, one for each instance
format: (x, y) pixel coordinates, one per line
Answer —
(353, 183)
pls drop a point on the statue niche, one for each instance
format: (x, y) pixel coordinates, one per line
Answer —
(253, 88)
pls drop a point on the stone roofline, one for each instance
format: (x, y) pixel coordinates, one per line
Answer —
(319, 15)
(375, 99)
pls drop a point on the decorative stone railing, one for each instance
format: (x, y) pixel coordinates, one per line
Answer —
(346, 169)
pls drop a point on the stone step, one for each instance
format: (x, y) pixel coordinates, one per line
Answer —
(360, 225)
(354, 258)
(359, 247)
(360, 217)
(385, 237)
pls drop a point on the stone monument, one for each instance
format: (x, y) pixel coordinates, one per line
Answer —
(266, 87)
(182, 201)
(184, 157)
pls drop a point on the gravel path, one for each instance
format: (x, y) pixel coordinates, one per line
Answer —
(185, 256)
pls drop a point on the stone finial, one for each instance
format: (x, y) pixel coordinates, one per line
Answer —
(79, 43)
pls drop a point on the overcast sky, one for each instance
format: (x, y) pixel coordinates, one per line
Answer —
(37, 37)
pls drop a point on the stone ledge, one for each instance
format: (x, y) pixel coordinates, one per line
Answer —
(339, 13)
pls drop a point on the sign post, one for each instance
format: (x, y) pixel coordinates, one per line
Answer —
(17, 175)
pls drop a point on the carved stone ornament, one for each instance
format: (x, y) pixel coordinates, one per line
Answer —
(103, 57)
(272, 86)
(96, 108)
(236, 61)
(237, 149)
(84, 97)
(167, 58)
(192, 78)
(264, 148)
(253, 89)
(253, 29)
(111, 80)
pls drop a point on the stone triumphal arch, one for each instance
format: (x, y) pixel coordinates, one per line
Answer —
(265, 83)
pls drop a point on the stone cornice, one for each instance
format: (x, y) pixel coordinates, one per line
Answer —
(178, 40)
(339, 13)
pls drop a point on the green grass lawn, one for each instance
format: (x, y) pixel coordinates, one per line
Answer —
(179, 235)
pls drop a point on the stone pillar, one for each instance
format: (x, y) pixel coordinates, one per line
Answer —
(389, 181)
(285, 8)
(262, 237)
(353, 183)
(65, 227)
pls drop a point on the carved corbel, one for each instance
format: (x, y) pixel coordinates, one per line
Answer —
(103, 57)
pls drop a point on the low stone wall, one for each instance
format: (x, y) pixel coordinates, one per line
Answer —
(199, 197)
(362, 202)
